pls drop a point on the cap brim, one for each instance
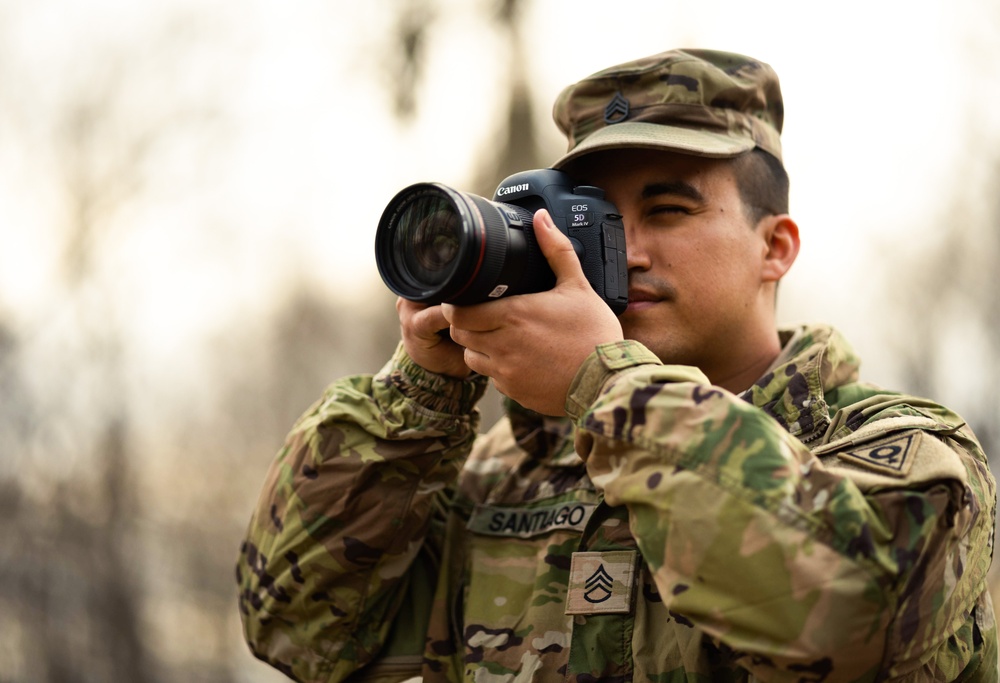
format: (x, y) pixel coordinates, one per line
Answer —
(639, 134)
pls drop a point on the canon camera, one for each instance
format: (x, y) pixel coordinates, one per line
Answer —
(435, 244)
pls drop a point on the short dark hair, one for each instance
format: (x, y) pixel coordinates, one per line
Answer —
(763, 184)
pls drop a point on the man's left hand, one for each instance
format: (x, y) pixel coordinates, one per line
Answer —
(532, 345)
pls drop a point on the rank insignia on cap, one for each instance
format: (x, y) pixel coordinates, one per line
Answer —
(617, 109)
(892, 456)
(601, 582)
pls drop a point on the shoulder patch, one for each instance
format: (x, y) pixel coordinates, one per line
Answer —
(893, 456)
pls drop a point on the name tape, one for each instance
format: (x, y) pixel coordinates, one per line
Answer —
(528, 522)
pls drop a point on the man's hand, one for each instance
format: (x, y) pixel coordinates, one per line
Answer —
(419, 325)
(532, 345)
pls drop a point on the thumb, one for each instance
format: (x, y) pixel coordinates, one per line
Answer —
(557, 248)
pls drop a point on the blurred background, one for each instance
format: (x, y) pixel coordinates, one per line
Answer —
(188, 196)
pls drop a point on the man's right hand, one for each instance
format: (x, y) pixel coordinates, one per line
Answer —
(419, 325)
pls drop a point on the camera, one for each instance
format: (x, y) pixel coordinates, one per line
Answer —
(437, 245)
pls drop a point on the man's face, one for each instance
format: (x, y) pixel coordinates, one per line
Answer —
(696, 294)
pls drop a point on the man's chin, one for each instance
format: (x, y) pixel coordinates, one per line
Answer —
(654, 336)
(641, 325)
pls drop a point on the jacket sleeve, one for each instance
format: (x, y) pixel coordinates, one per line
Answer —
(780, 559)
(349, 516)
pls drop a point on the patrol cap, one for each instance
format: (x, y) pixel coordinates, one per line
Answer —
(701, 102)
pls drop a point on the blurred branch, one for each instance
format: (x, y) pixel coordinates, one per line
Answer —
(406, 60)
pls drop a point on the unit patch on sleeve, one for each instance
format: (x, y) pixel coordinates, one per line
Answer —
(892, 456)
(601, 582)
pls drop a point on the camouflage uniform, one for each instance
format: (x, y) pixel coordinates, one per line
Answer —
(813, 528)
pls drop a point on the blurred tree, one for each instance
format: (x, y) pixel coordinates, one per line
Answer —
(514, 146)
(72, 595)
(404, 65)
(946, 299)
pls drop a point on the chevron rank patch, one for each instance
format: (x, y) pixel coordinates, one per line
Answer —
(601, 582)
(892, 456)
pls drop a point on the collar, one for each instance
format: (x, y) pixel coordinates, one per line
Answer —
(814, 360)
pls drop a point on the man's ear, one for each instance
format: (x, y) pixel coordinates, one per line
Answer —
(781, 241)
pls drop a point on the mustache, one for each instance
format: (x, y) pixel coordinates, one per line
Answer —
(644, 286)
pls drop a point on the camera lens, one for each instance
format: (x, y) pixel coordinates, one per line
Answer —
(435, 244)
(427, 240)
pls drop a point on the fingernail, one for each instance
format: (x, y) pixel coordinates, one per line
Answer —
(547, 220)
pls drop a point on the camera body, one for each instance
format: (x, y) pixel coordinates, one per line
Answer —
(591, 222)
(435, 244)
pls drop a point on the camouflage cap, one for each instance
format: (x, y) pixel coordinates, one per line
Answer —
(701, 102)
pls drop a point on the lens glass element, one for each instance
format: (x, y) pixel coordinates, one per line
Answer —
(427, 239)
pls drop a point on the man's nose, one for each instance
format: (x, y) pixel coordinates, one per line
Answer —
(635, 247)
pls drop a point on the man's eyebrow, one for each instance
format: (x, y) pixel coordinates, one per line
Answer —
(677, 188)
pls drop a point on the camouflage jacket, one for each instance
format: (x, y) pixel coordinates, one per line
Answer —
(813, 528)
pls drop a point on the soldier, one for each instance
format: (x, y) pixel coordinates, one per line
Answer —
(685, 492)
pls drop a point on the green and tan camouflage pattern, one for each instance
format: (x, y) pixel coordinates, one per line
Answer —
(813, 528)
(667, 99)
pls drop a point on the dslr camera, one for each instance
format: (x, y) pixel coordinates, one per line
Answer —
(437, 245)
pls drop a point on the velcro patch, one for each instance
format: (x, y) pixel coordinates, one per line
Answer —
(893, 456)
(601, 582)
